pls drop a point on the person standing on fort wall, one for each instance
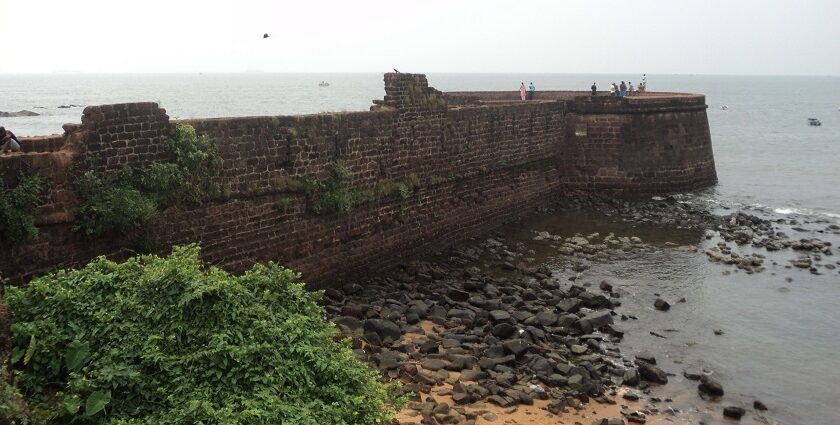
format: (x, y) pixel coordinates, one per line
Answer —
(622, 89)
(522, 91)
(531, 91)
(629, 88)
(594, 89)
(613, 89)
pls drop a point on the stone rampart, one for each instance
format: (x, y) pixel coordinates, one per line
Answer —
(478, 159)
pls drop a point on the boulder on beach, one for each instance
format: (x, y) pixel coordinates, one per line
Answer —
(710, 386)
(651, 373)
(23, 113)
(733, 412)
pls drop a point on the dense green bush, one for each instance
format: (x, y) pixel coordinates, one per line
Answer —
(165, 341)
(112, 204)
(123, 202)
(17, 210)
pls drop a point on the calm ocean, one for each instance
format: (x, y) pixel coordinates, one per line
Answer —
(781, 343)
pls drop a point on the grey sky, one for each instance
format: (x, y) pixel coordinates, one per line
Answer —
(653, 36)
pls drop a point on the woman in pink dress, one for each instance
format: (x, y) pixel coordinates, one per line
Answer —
(522, 91)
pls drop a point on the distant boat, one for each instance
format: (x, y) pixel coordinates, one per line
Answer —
(724, 107)
(815, 122)
(323, 84)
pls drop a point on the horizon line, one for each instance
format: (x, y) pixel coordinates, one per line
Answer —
(65, 73)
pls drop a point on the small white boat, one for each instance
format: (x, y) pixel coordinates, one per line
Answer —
(323, 84)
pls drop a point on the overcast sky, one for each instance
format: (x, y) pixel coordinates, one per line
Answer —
(558, 36)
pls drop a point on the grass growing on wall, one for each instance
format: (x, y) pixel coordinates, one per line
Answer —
(334, 196)
(124, 202)
(169, 340)
(17, 210)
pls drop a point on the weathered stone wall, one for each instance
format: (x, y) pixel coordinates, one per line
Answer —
(477, 164)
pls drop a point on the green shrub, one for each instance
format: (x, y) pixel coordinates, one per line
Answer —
(17, 210)
(125, 201)
(111, 205)
(167, 341)
(198, 160)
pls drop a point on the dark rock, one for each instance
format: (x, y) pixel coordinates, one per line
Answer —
(488, 363)
(495, 351)
(594, 321)
(556, 406)
(503, 330)
(651, 373)
(605, 286)
(629, 395)
(517, 347)
(631, 377)
(458, 295)
(546, 318)
(692, 374)
(433, 364)
(353, 310)
(569, 305)
(387, 330)
(579, 349)
(429, 347)
(635, 417)
(500, 401)
(473, 375)
(351, 323)
(646, 356)
(373, 338)
(501, 316)
(758, 405)
(23, 113)
(389, 360)
(540, 365)
(710, 386)
(594, 301)
(661, 304)
(461, 313)
(734, 412)
(461, 398)
(352, 288)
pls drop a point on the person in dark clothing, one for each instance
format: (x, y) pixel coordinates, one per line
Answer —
(8, 141)
(622, 89)
(594, 89)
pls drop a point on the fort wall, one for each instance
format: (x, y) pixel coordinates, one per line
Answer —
(478, 159)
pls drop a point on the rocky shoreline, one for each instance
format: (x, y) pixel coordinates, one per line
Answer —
(485, 330)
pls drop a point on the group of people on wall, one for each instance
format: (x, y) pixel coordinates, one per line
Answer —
(620, 90)
(529, 93)
(623, 89)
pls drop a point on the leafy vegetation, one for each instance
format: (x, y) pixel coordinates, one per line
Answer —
(167, 341)
(333, 196)
(124, 202)
(17, 210)
(12, 411)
